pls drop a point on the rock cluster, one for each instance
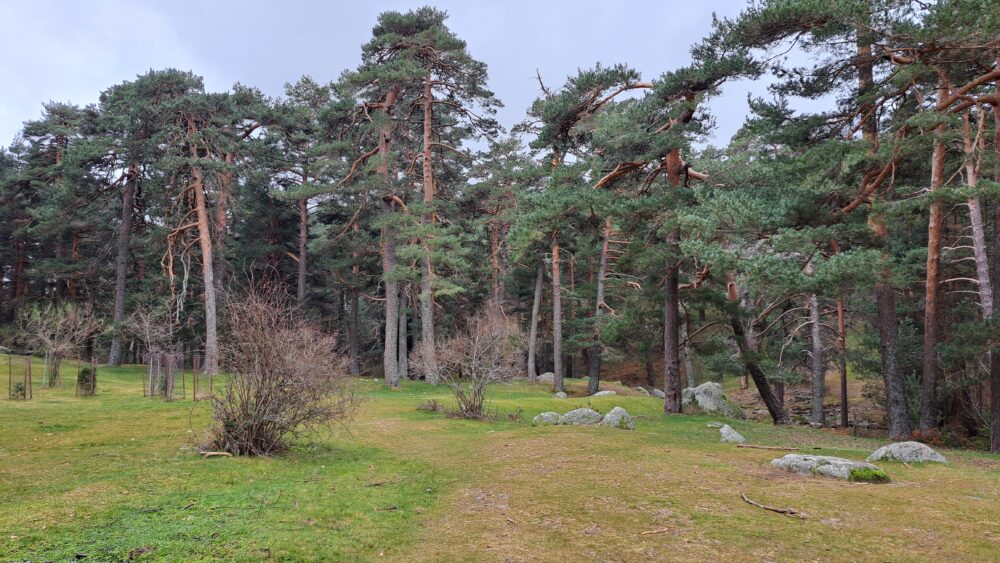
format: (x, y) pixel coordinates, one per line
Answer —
(907, 452)
(616, 418)
(709, 398)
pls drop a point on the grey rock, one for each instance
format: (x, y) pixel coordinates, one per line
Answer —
(547, 377)
(546, 418)
(828, 466)
(581, 416)
(709, 398)
(618, 418)
(730, 436)
(560, 395)
(605, 393)
(714, 425)
(659, 393)
(642, 390)
(907, 452)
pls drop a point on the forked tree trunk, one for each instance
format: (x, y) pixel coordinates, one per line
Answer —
(208, 274)
(533, 330)
(390, 367)
(557, 356)
(594, 355)
(303, 241)
(972, 172)
(427, 337)
(121, 266)
(885, 297)
(671, 302)
(928, 395)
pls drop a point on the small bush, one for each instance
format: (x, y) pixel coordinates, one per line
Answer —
(431, 406)
(488, 351)
(19, 390)
(865, 475)
(85, 381)
(285, 377)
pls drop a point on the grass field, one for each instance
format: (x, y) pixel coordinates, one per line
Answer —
(117, 477)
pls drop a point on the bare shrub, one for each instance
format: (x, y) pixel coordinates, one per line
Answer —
(61, 330)
(285, 376)
(489, 350)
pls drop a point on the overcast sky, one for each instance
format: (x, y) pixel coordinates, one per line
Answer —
(72, 50)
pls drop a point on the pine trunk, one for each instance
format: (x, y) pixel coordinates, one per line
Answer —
(121, 267)
(427, 337)
(995, 356)
(390, 367)
(928, 394)
(208, 275)
(557, 356)
(303, 241)
(594, 355)
(353, 347)
(842, 342)
(686, 353)
(771, 401)
(671, 331)
(390, 351)
(816, 414)
(404, 352)
(533, 330)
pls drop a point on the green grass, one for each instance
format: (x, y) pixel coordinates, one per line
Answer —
(119, 474)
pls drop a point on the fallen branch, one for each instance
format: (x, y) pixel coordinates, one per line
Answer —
(216, 454)
(657, 531)
(786, 511)
(768, 447)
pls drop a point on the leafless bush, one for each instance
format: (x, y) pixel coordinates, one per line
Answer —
(61, 330)
(285, 376)
(489, 350)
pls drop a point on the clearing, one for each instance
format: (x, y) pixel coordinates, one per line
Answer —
(118, 477)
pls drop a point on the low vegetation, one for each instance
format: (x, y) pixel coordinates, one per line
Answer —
(118, 475)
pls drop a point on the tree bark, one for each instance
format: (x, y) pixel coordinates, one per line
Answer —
(533, 330)
(427, 338)
(390, 367)
(594, 356)
(352, 332)
(842, 342)
(121, 266)
(885, 296)
(671, 343)
(928, 395)
(222, 220)
(557, 357)
(208, 274)
(816, 414)
(353, 346)
(995, 356)
(686, 353)
(390, 351)
(771, 401)
(303, 241)
(404, 362)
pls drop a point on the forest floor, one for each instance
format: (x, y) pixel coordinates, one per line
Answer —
(118, 477)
